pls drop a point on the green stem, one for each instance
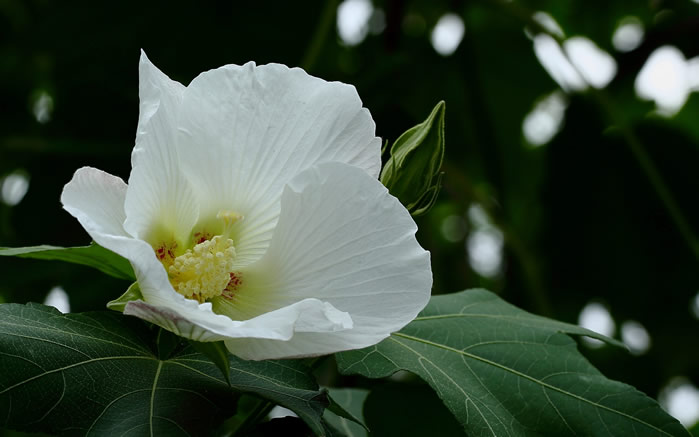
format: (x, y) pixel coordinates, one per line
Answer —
(325, 24)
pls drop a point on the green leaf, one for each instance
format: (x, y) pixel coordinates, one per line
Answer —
(218, 354)
(345, 411)
(100, 373)
(412, 172)
(504, 372)
(93, 255)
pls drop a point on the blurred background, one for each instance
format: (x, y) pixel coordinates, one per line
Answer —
(572, 144)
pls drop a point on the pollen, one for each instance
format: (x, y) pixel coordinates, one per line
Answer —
(204, 271)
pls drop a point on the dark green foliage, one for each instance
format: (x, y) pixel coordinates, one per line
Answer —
(93, 255)
(580, 219)
(103, 374)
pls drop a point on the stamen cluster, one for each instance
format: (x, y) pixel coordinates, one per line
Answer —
(204, 271)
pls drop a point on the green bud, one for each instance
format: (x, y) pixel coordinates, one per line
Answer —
(412, 172)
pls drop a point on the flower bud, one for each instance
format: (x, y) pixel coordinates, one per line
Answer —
(412, 172)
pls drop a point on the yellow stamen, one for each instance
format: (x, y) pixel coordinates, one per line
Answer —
(204, 271)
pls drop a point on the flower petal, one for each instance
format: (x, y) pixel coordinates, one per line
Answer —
(96, 199)
(159, 193)
(343, 239)
(247, 130)
(201, 324)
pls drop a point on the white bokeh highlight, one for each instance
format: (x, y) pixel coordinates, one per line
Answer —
(14, 188)
(693, 73)
(635, 337)
(278, 412)
(485, 251)
(665, 79)
(545, 119)
(596, 317)
(596, 66)
(58, 298)
(554, 61)
(547, 22)
(628, 35)
(680, 398)
(575, 66)
(43, 107)
(447, 34)
(484, 244)
(353, 21)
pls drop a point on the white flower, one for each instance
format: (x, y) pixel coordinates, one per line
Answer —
(253, 215)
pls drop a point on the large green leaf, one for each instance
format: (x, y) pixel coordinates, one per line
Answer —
(103, 373)
(351, 400)
(504, 372)
(93, 255)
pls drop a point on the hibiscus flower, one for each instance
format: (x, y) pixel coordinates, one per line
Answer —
(253, 215)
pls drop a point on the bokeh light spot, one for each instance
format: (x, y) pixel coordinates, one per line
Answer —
(596, 317)
(278, 411)
(635, 337)
(377, 22)
(58, 298)
(353, 20)
(547, 22)
(579, 63)
(545, 119)
(43, 107)
(680, 398)
(484, 244)
(597, 67)
(628, 34)
(664, 79)
(447, 34)
(14, 188)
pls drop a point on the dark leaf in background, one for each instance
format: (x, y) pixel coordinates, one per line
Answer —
(581, 221)
(93, 255)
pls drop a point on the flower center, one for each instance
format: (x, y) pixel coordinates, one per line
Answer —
(204, 271)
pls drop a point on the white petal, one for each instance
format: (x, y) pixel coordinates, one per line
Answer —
(304, 344)
(170, 320)
(198, 322)
(247, 130)
(96, 199)
(343, 239)
(159, 193)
